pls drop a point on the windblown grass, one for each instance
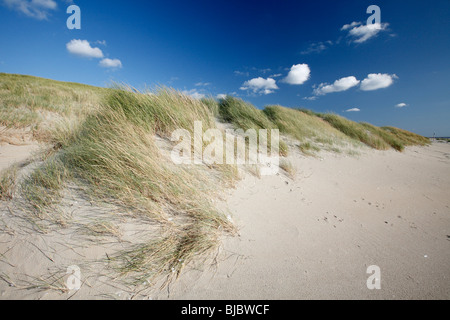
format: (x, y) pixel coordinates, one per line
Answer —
(161, 113)
(31, 102)
(311, 131)
(42, 189)
(406, 137)
(212, 105)
(356, 131)
(8, 180)
(387, 136)
(105, 142)
(245, 116)
(113, 153)
(287, 167)
(308, 148)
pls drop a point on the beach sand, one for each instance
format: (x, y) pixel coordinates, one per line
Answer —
(311, 237)
(314, 238)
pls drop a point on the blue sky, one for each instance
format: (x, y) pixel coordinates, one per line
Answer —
(320, 55)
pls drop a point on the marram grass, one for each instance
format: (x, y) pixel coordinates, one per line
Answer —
(104, 140)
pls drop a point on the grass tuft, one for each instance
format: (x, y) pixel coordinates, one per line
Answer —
(356, 131)
(406, 137)
(245, 116)
(8, 179)
(387, 136)
(114, 153)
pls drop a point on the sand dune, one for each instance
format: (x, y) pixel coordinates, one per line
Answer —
(313, 238)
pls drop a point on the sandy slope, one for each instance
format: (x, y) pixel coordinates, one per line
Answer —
(312, 237)
(315, 237)
(10, 154)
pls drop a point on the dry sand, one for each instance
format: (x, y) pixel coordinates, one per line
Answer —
(308, 238)
(313, 238)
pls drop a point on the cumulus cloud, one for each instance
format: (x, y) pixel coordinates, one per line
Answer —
(82, 48)
(260, 85)
(401, 105)
(221, 96)
(194, 94)
(317, 47)
(351, 25)
(375, 81)
(342, 84)
(353, 110)
(38, 9)
(298, 74)
(111, 63)
(361, 33)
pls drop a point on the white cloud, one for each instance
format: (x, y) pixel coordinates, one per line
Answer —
(260, 85)
(342, 84)
(261, 70)
(101, 42)
(38, 9)
(317, 47)
(353, 110)
(82, 48)
(351, 25)
(276, 75)
(111, 63)
(194, 94)
(299, 74)
(241, 73)
(221, 96)
(375, 81)
(202, 84)
(310, 98)
(362, 33)
(401, 105)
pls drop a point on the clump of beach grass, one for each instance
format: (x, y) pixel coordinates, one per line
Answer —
(287, 167)
(8, 180)
(245, 116)
(212, 105)
(387, 136)
(406, 137)
(356, 131)
(308, 148)
(113, 153)
(32, 102)
(101, 228)
(42, 189)
(312, 132)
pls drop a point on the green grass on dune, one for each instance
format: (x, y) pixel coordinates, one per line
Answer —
(104, 141)
(311, 131)
(37, 103)
(245, 116)
(165, 111)
(406, 137)
(112, 155)
(356, 131)
(387, 136)
(212, 104)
